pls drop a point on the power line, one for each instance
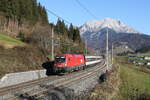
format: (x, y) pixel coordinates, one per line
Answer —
(88, 11)
(58, 16)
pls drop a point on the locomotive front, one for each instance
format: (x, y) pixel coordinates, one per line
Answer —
(60, 64)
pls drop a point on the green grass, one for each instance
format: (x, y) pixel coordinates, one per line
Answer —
(143, 54)
(134, 79)
(134, 82)
(138, 60)
(6, 40)
(123, 58)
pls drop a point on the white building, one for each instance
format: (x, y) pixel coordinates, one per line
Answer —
(148, 64)
(147, 57)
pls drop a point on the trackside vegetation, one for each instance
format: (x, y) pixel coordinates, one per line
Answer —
(135, 84)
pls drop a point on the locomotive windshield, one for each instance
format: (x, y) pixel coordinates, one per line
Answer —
(60, 59)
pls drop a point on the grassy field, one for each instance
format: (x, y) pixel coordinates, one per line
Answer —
(9, 42)
(135, 83)
(141, 54)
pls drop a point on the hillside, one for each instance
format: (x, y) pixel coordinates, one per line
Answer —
(20, 15)
(16, 56)
(30, 19)
(26, 36)
(8, 42)
(20, 59)
(145, 50)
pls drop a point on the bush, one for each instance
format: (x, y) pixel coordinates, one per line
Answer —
(21, 36)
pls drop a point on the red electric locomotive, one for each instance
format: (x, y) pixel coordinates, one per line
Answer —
(69, 62)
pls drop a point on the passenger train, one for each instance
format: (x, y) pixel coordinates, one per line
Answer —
(72, 62)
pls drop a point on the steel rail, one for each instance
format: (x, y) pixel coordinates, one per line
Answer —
(70, 81)
(37, 82)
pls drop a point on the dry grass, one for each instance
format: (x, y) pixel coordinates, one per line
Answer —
(20, 59)
(109, 89)
(16, 56)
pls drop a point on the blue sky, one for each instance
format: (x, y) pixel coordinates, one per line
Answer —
(135, 13)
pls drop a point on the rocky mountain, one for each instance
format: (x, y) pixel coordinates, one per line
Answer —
(114, 24)
(95, 34)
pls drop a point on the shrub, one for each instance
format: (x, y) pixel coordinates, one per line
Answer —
(21, 36)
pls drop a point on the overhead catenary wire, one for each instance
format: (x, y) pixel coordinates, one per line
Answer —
(90, 13)
(87, 10)
(51, 12)
(56, 15)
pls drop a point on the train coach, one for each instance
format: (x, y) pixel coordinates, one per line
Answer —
(92, 60)
(72, 62)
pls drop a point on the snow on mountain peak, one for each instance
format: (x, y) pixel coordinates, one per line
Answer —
(116, 25)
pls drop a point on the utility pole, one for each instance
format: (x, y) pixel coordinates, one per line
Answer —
(85, 47)
(52, 52)
(107, 63)
(112, 53)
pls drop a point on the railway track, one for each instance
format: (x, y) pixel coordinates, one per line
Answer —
(57, 81)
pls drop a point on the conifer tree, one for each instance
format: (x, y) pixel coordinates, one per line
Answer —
(23, 10)
(71, 31)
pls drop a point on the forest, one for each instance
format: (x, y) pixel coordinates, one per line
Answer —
(33, 25)
(21, 10)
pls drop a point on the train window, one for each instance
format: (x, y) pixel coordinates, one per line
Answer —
(92, 59)
(60, 59)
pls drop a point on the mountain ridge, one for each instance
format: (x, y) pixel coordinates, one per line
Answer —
(115, 24)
